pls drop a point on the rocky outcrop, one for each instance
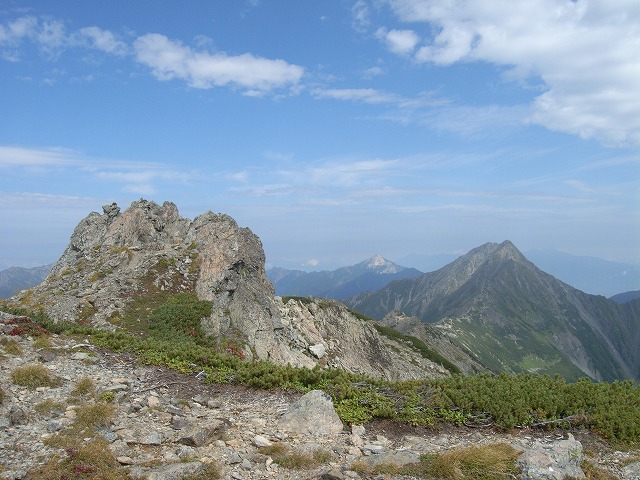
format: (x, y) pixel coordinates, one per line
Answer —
(148, 249)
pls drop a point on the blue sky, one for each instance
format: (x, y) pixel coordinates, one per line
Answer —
(335, 130)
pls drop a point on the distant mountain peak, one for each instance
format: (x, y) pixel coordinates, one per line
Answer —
(381, 265)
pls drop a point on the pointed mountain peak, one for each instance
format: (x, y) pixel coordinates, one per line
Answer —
(507, 250)
(503, 251)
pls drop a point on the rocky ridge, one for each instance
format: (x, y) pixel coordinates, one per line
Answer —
(149, 249)
(171, 426)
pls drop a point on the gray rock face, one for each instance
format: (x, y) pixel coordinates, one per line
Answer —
(552, 462)
(148, 248)
(631, 471)
(313, 413)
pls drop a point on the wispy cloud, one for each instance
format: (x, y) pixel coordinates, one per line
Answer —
(103, 40)
(15, 156)
(366, 95)
(140, 178)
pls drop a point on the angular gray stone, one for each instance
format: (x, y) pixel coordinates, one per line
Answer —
(199, 435)
(318, 350)
(399, 458)
(554, 461)
(260, 441)
(631, 471)
(314, 414)
(376, 449)
(174, 471)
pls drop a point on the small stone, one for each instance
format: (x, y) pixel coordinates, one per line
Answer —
(178, 423)
(318, 350)
(246, 464)
(358, 430)
(260, 441)
(371, 448)
(197, 436)
(153, 402)
(185, 451)
(151, 438)
(234, 458)
(17, 416)
(124, 460)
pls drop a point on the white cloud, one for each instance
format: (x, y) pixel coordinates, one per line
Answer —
(401, 42)
(104, 40)
(366, 95)
(586, 53)
(200, 69)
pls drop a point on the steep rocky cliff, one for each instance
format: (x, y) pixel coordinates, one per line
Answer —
(149, 251)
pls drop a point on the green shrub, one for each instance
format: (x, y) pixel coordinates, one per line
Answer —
(34, 376)
(107, 397)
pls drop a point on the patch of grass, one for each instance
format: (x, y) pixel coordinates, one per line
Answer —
(283, 456)
(303, 300)
(211, 471)
(80, 461)
(92, 415)
(593, 472)
(34, 376)
(42, 342)
(83, 388)
(2, 395)
(47, 406)
(11, 346)
(487, 462)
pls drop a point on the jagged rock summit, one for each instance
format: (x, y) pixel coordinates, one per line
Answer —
(149, 249)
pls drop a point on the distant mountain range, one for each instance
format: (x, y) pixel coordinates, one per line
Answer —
(15, 279)
(589, 274)
(626, 296)
(371, 274)
(513, 317)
